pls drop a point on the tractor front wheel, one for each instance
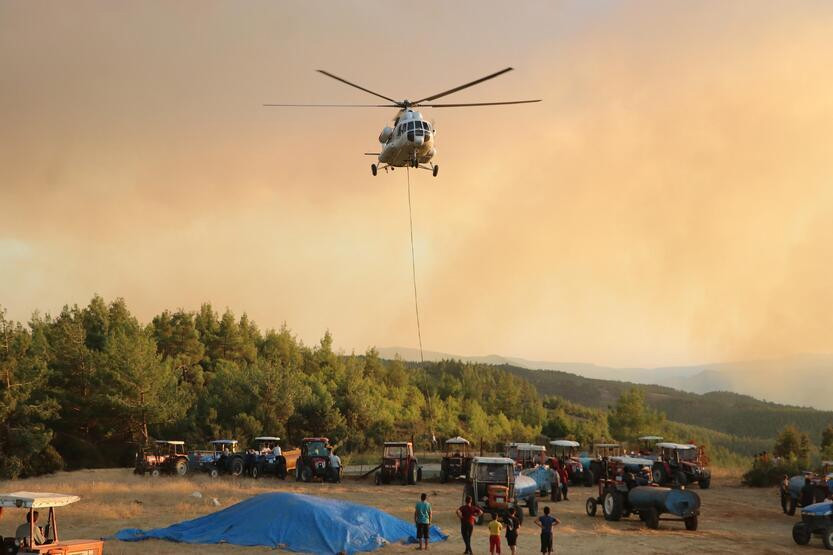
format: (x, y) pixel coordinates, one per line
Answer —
(214, 472)
(827, 538)
(801, 533)
(590, 506)
(155, 472)
(691, 523)
(256, 471)
(705, 483)
(306, 474)
(612, 505)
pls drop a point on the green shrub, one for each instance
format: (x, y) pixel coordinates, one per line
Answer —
(766, 473)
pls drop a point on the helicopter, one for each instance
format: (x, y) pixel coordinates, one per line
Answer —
(409, 142)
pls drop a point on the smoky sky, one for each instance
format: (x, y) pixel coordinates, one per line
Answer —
(670, 200)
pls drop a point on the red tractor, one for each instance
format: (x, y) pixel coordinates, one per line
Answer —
(565, 451)
(681, 464)
(162, 457)
(399, 463)
(314, 460)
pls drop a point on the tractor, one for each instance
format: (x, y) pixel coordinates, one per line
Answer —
(595, 462)
(456, 459)
(822, 486)
(816, 519)
(681, 464)
(222, 458)
(162, 457)
(314, 460)
(565, 451)
(495, 488)
(264, 461)
(622, 494)
(399, 463)
(526, 455)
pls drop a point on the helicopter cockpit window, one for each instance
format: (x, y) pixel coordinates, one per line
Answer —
(410, 126)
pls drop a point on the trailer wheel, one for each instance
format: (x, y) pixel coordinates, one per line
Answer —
(827, 538)
(680, 479)
(612, 505)
(691, 523)
(650, 517)
(705, 483)
(590, 506)
(801, 533)
(791, 506)
(532, 505)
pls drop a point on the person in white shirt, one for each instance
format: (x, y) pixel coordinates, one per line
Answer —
(276, 450)
(335, 466)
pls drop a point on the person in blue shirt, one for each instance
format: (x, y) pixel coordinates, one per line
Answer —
(545, 522)
(422, 519)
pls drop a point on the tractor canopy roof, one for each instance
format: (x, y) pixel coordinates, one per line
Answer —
(493, 460)
(36, 500)
(457, 441)
(681, 446)
(169, 442)
(397, 443)
(530, 447)
(324, 439)
(633, 461)
(267, 438)
(565, 443)
(223, 442)
(605, 445)
(650, 438)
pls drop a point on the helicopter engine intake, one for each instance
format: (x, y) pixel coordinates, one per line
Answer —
(385, 135)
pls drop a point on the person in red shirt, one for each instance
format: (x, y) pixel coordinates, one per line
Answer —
(562, 473)
(468, 514)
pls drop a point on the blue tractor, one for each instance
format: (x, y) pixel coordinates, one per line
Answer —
(816, 520)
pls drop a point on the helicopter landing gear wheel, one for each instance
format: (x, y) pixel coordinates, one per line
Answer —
(435, 171)
(373, 169)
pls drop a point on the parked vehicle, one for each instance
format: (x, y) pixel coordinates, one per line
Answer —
(595, 462)
(162, 457)
(399, 464)
(816, 520)
(314, 460)
(623, 494)
(526, 455)
(264, 462)
(31, 501)
(457, 458)
(821, 485)
(566, 452)
(222, 458)
(647, 446)
(545, 480)
(495, 488)
(681, 464)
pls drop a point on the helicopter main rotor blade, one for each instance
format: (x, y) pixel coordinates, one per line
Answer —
(346, 82)
(478, 104)
(337, 105)
(461, 87)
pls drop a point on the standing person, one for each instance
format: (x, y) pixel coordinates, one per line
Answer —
(785, 492)
(422, 519)
(512, 524)
(468, 514)
(545, 522)
(335, 466)
(562, 473)
(495, 528)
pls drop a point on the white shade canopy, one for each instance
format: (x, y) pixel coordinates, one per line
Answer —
(565, 443)
(36, 500)
(458, 440)
(676, 446)
(267, 438)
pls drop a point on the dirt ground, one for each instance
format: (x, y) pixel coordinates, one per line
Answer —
(734, 519)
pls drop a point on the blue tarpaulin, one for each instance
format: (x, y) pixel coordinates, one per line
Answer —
(291, 521)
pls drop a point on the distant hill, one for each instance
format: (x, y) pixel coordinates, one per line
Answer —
(801, 380)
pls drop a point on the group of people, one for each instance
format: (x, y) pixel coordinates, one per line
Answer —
(469, 513)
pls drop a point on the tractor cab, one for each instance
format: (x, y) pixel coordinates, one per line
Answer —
(162, 457)
(647, 446)
(399, 462)
(34, 503)
(681, 464)
(456, 460)
(595, 462)
(495, 488)
(565, 451)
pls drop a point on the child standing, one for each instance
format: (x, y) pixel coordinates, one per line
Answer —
(495, 528)
(512, 524)
(545, 522)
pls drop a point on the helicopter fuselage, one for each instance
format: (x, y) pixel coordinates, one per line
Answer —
(409, 142)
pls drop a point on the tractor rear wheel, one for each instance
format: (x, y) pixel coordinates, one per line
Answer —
(236, 466)
(791, 506)
(801, 533)
(306, 474)
(691, 523)
(612, 505)
(650, 517)
(590, 506)
(181, 467)
(680, 479)
(827, 538)
(412, 475)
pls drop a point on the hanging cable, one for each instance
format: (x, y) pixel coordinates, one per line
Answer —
(413, 266)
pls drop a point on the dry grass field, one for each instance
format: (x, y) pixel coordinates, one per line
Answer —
(734, 519)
